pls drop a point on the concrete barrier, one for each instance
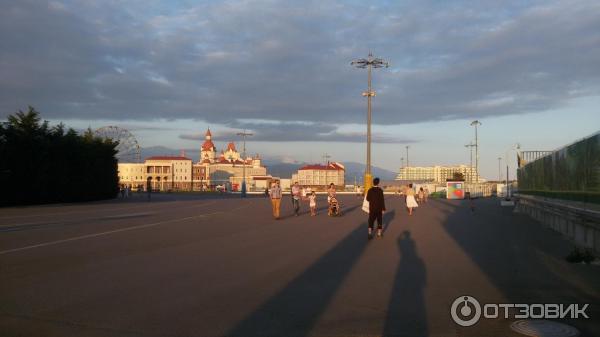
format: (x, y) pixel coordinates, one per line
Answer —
(578, 224)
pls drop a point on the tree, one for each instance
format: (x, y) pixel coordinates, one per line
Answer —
(458, 176)
(42, 164)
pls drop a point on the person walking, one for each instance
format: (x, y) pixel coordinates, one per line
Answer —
(410, 199)
(312, 200)
(296, 195)
(330, 192)
(421, 195)
(149, 189)
(376, 208)
(275, 194)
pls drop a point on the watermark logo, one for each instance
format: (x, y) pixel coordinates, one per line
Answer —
(466, 311)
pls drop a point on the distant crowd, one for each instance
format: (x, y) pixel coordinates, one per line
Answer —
(373, 203)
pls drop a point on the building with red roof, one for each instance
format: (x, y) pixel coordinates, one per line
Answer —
(228, 166)
(318, 175)
(181, 173)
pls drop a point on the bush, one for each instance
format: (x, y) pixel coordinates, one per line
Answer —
(43, 164)
(581, 255)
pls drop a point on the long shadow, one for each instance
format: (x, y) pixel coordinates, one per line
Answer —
(524, 259)
(294, 311)
(406, 313)
(388, 217)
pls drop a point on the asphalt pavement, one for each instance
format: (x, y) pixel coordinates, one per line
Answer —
(218, 265)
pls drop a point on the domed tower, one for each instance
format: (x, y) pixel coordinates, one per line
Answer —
(231, 153)
(208, 150)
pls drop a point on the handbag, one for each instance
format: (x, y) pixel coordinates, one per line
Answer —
(365, 205)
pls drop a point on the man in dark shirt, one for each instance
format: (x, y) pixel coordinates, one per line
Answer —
(376, 208)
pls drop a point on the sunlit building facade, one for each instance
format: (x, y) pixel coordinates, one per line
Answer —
(437, 174)
(320, 175)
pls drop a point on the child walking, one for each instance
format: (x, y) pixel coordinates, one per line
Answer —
(312, 198)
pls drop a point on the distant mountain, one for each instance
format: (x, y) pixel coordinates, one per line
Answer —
(357, 170)
(282, 170)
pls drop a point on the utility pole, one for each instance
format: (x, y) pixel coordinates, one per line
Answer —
(369, 62)
(244, 135)
(476, 123)
(470, 146)
(499, 169)
(326, 160)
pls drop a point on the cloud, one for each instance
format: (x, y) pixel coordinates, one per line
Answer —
(289, 61)
(295, 131)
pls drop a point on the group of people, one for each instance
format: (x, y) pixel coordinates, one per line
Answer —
(298, 194)
(125, 191)
(376, 204)
(374, 198)
(413, 199)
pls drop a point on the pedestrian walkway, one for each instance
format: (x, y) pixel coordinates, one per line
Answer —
(225, 267)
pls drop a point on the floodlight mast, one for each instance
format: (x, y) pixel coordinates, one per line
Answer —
(244, 135)
(370, 62)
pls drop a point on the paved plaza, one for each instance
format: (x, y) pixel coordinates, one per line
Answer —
(218, 265)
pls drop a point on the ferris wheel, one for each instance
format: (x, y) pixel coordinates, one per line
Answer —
(128, 149)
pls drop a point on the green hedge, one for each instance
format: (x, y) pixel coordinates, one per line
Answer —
(590, 197)
(43, 164)
(572, 169)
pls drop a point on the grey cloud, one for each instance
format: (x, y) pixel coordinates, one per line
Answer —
(289, 61)
(297, 132)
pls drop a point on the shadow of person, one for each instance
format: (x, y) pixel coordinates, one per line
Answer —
(406, 314)
(296, 308)
(387, 219)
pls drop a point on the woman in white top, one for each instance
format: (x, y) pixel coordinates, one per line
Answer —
(410, 199)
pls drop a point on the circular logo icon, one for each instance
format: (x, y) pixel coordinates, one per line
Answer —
(465, 311)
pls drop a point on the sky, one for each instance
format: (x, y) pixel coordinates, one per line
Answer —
(167, 70)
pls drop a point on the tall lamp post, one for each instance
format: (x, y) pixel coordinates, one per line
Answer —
(499, 170)
(406, 170)
(470, 146)
(326, 161)
(476, 123)
(244, 135)
(369, 62)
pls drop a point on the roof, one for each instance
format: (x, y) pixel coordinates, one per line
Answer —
(167, 158)
(331, 167)
(208, 134)
(231, 146)
(208, 144)
(261, 177)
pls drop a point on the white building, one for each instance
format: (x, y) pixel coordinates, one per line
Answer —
(437, 174)
(161, 172)
(180, 173)
(229, 166)
(320, 175)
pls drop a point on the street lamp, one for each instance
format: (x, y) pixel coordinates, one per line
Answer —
(369, 62)
(326, 161)
(470, 146)
(407, 147)
(244, 135)
(499, 170)
(476, 123)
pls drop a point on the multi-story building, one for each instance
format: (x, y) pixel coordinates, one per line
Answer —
(320, 175)
(229, 166)
(161, 172)
(180, 173)
(437, 174)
